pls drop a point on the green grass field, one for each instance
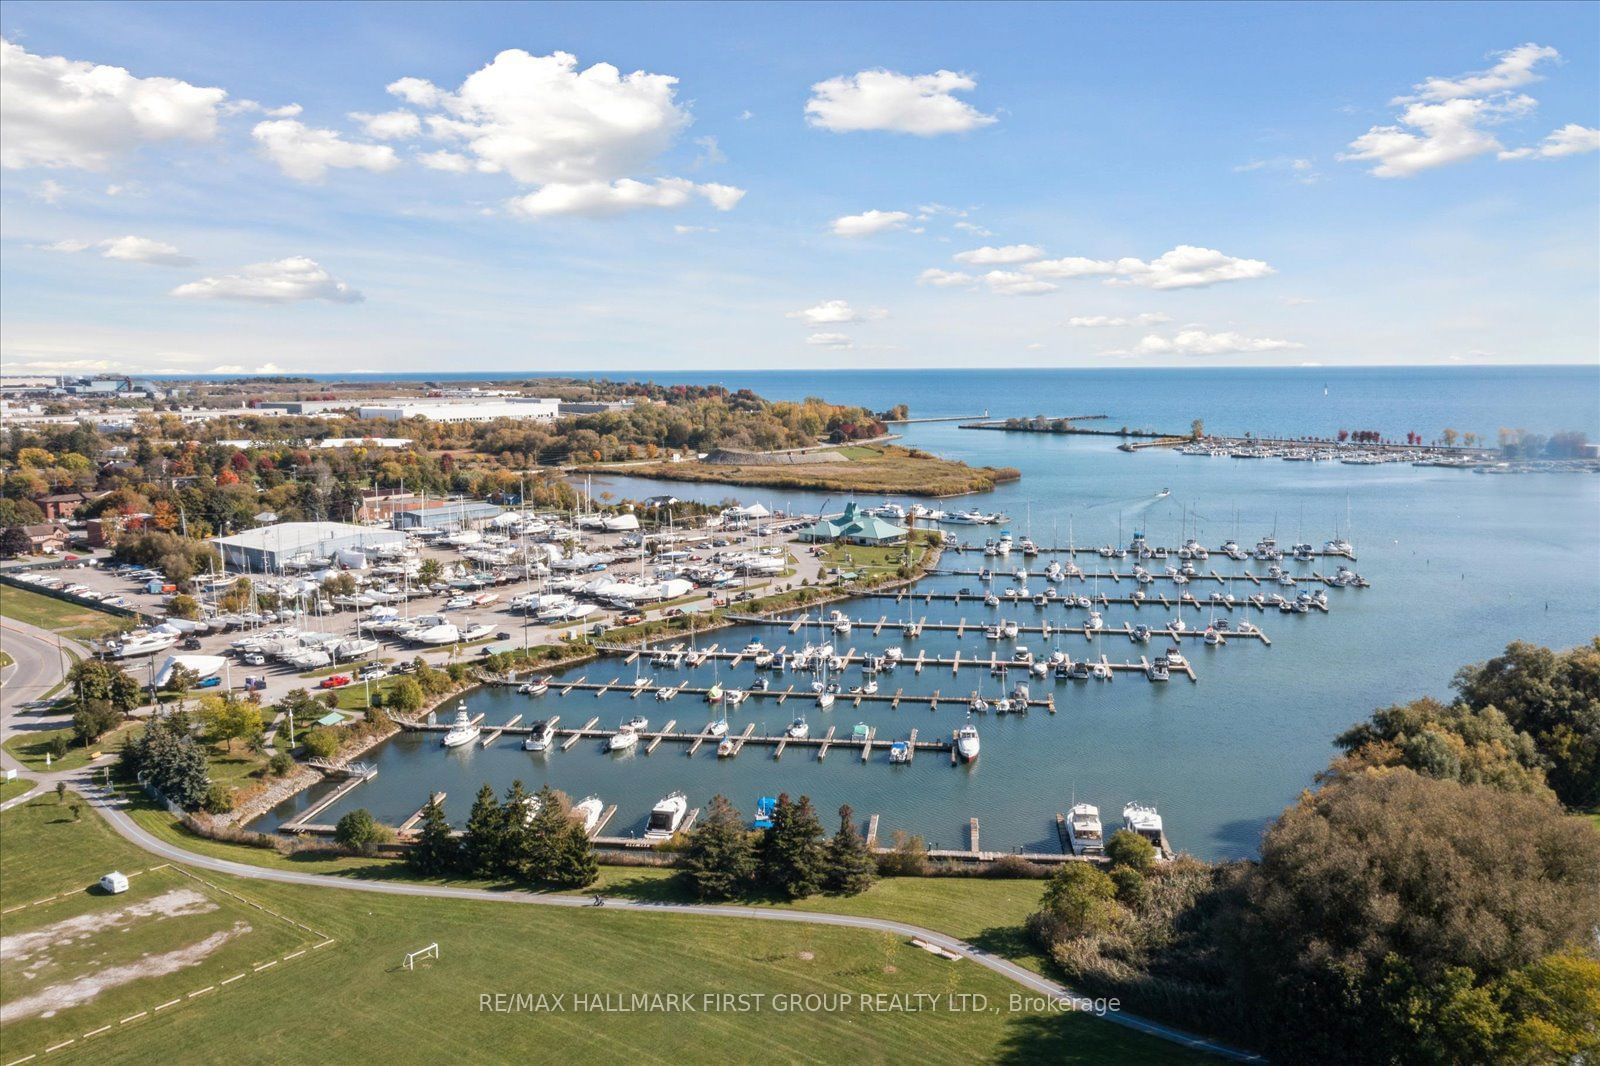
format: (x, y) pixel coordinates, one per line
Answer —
(14, 788)
(30, 748)
(58, 616)
(352, 1001)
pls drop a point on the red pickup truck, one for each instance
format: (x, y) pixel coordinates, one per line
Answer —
(336, 681)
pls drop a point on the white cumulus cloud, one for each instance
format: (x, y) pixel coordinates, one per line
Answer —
(1199, 342)
(944, 278)
(868, 222)
(922, 104)
(389, 125)
(829, 340)
(283, 281)
(306, 153)
(835, 311)
(1571, 139)
(544, 121)
(129, 249)
(1513, 70)
(599, 199)
(1010, 283)
(453, 162)
(1148, 318)
(1009, 253)
(1449, 120)
(1185, 266)
(60, 112)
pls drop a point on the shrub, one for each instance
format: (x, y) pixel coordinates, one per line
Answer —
(1127, 848)
(281, 764)
(908, 858)
(1014, 867)
(219, 799)
(360, 830)
(321, 742)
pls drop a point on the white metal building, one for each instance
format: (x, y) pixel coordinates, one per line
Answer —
(469, 411)
(271, 548)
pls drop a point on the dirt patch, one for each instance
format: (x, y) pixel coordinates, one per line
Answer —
(30, 946)
(84, 989)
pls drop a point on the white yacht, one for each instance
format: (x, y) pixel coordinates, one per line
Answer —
(1095, 622)
(798, 729)
(1142, 819)
(1084, 831)
(967, 742)
(541, 734)
(142, 644)
(588, 812)
(666, 817)
(627, 735)
(536, 687)
(734, 696)
(462, 731)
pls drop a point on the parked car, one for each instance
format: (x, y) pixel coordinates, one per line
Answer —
(373, 671)
(743, 596)
(672, 612)
(209, 682)
(336, 681)
(255, 658)
(632, 618)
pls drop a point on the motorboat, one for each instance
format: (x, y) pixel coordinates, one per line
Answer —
(1140, 634)
(1158, 671)
(1084, 831)
(978, 705)
(666, 816)
(967, 742)
(733, 697)
(798, 729)
(444, 633)
(728, 747)
(1146, 822)
(141, 644)
(536, 687)
(462, 731)
(477, 632)
(1101, 671)
(1177, 625)
(1175, 657)
(755, 647)
(627, 735)
(861, 733)
(1212, 637)
(541, 735)
(1010, 629)
(665, 694)
(1079, 671)
(1094, 622)
(900, 752)
(587, 812)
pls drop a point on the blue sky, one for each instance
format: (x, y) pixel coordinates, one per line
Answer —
(983, 185)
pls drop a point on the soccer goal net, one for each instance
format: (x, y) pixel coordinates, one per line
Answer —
(429, 952)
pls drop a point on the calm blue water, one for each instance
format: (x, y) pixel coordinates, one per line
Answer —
(1460, 564)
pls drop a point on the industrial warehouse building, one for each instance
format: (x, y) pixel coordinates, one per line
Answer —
(470, 411)
(449, 514)
(270, 549)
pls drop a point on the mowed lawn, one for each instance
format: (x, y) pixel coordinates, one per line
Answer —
(352, 1001)
(69, 619)
(77, 958)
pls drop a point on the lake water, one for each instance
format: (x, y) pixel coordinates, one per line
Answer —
(1460, 564)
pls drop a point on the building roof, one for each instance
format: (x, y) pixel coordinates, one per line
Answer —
(855, 524)
(294, 536)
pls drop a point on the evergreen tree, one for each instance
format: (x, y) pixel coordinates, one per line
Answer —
(516, 819)
(437, 851)
(481, 845)
(720, 858)
(792, 851)
(849, 868)
(544, 835)
(574, 864)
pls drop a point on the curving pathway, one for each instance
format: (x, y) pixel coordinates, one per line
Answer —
(110, 806)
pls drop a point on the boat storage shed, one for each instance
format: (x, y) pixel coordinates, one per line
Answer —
(268, 549)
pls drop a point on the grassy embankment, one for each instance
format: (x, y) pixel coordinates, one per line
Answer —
(874, 469)
(71, 620)
(14, 788)
(381, 1011)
